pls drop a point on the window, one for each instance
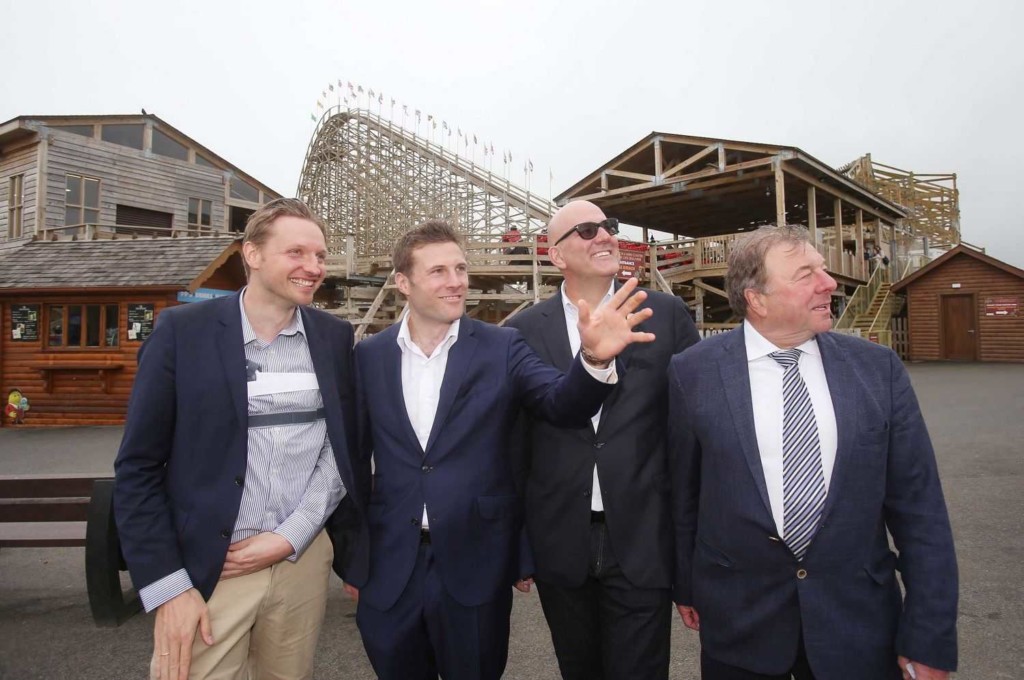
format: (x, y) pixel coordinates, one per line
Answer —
(243, 191)
(15, 201)
(125, 135)
(81, 200)
(84, 130)
(199, 214)
(82, 326)
(165, 146)
(203, 161)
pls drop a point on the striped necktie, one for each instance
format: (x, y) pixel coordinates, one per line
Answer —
(803, 483)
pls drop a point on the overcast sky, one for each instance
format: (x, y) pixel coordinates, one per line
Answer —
(928, 87)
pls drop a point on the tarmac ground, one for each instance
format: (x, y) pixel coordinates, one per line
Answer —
(975, 413)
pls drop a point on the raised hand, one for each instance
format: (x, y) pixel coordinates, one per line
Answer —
(607, 330)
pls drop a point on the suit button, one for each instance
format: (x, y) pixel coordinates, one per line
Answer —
(598, 445)
(801, 574)
(415, 521)
(427, 469)
(586, 493)
(225, 534)
(239, 481)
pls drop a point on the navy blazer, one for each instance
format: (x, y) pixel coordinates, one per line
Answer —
(629, 449)
(753, 597)
(464, 476)
(182, 461)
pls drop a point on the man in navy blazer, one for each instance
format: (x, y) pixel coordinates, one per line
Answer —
(438, 395)
(235, 451)
(795, 451)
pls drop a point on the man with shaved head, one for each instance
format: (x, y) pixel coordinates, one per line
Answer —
(597, 497)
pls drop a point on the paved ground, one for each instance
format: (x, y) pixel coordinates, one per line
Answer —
(975, 414)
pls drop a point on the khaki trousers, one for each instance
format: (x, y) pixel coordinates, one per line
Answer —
(266, 625)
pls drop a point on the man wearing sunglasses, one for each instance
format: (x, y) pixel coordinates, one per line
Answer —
(596, 497)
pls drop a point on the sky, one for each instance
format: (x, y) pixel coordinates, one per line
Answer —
(931, 87)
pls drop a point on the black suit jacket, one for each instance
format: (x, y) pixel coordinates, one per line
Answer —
(628, 448)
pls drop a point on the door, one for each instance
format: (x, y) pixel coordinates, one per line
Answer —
(958, 328)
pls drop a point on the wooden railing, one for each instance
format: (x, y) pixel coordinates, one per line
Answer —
(861, 299)
(93, 232)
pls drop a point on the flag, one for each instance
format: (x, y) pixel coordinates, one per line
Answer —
(433, 123)
(444, 125)
(531, 165)
(460, 132)
(380, 98)
(492, 148)
(339, 83)
(312, 117)
(319, 103)
(474, 140)
(417, 114)
(405, 109)
(330, 87)
(372, 95)
(359, 89)
(324, 93)
(430, 117)
(392, 102)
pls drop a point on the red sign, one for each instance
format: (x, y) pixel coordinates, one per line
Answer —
(631, 259)
(1001, 306)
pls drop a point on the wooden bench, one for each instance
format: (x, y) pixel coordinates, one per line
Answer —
(46, 511)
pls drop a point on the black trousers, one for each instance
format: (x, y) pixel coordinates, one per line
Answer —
(608, 629)
(716, 670)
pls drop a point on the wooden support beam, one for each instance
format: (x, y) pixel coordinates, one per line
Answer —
(675, 181)
(630, 175)
(812, 213)
(796, 172)
(859, 237)
(698, 293)
(682, 165)
(658, 159)
(837, 234)
(780, 195)
(699, 283)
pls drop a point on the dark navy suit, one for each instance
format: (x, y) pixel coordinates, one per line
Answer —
(465, 479)
(754, 598)
(182, 461)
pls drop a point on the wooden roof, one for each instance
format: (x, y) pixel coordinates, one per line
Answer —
(25, 127)
(182, 263)
(699, 186)
(949, 255)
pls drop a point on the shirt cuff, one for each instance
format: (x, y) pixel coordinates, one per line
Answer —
(606, 375)
(165, 589)
(299, 533)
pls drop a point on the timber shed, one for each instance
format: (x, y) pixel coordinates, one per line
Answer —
(965, 306)
(74, 314)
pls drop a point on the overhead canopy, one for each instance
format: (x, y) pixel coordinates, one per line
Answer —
(697, 186)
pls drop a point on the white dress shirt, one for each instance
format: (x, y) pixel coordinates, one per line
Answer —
(766, 396)
(572, 315)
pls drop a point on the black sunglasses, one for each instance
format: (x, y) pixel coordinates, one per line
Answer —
(588, 230)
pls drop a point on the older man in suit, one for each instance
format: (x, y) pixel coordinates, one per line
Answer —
(234, 454)
(438, 396)
(596, 497)
(794, 452)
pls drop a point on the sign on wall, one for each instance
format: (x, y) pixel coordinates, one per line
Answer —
(25, 323)
(140, 322)
(1002, 306)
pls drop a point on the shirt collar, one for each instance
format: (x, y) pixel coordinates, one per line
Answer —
(249, 335)
(759, 346)
(570, 308)
(405, 342)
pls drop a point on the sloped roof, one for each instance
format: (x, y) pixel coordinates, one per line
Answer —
(158, 262)
(946, 257)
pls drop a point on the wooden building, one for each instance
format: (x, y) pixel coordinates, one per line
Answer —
(76, 175)
(706, 193)
(76, 312)
(965, 306)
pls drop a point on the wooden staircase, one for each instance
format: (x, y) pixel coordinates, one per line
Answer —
(865, 319)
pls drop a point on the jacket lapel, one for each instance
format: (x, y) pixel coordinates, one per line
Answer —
(736, 386)
(232, 356)
(323, 366)
(391, 360)
(842, 386)
(460, 358)
(554, 334)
